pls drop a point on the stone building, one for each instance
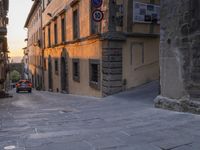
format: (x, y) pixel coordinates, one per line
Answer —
(180, 56)
(85, 57)
(3, 44)
(25, 64)
(34, 44)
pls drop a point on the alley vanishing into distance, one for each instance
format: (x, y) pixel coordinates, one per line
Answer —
(126, 121)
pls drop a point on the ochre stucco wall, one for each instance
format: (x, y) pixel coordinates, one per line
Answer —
(137, 75)
(84, 51)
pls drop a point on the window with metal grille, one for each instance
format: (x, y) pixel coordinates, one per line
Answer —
(63, 30)
(76, 70)
(55, 34)
(75, 24)
(56, 66)
(49, 36)
(94, 67)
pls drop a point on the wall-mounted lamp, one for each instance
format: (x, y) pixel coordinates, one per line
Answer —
(49, 14)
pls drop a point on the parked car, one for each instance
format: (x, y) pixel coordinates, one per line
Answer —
(24, 85)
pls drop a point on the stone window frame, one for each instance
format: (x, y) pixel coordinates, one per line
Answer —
(76, 73)
(94, 84)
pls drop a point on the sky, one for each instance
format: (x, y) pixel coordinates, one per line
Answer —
(18, 12)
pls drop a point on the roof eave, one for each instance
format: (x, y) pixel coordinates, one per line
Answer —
(31, 12)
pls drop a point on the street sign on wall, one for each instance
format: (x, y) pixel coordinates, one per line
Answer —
(97, 15)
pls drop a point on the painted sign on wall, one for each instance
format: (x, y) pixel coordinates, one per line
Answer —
(146, 13)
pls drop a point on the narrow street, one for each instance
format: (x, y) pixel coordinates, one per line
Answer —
(127, 121)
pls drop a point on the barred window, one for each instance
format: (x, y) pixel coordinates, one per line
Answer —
(94, 67)
(76, 70)
(56, 66)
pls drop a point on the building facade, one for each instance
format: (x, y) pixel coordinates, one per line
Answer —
(25, 64)
(34, 44)
(86, 56)
(3, 45)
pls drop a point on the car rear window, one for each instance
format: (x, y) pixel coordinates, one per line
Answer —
(26, 82)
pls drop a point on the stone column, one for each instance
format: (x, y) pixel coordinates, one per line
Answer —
(180, 56)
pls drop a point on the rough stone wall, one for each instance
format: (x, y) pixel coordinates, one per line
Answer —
(179, 54)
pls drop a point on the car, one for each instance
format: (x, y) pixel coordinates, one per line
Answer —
(23, 85)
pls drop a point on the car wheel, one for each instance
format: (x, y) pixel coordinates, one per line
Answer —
(30, 91)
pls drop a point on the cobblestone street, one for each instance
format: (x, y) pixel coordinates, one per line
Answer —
(127, 121)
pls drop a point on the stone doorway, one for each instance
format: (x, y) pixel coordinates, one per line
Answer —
(64, 73)
(50, 74)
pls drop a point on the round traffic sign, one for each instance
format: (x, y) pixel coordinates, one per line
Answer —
(97, 3)
(97, 15)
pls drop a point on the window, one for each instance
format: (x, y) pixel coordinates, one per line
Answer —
(55, 34)
(44, 46)
(75, 24)
(49, 36)
(94, 67)
(45, 64)
(63, 28)
(40, 60)
(56, 66)
(137, 54)
(76, 70)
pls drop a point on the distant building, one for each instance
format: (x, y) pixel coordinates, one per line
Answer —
(25, 64)
(3, 44)
(86, 56)
(34, 47)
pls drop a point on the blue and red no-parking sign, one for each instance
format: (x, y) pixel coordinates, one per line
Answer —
(97, 15)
